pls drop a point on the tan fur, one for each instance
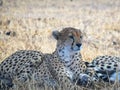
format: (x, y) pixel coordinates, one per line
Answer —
(51, 69)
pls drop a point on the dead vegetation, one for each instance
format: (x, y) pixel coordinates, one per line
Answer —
(27, 24)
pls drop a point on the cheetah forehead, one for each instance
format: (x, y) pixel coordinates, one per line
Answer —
(71, 32)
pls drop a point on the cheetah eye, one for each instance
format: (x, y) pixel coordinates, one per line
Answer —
(81, 37)
(71, 37)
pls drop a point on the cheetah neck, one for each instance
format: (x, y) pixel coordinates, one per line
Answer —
(71, 60)
(66, 55)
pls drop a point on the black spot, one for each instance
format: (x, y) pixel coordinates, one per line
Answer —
(14, 64)
(4, 63)
(101, 76)
(55, 57)
(41, 72)
(60, 50)
(7, 60)
(23, 57)
(18, 74)
(10, 62)
(103, 56)
(15, 59)
(27, 53)
(20, 63)
(80, 69)
(22, 60)
(84, 66)
(96, 63)
(60, 72)
(1, 69)
(61, 76)
(6, 66)
(13, 67)
(75, 53)
(112, 60)
(108, 66)
(28, 71)
(97, 71)
(72, 57)
(76, 64)
(114, 68)
(101, 68)
(19, 56)
(7, 69)
(102, 65)
(115, 65)
(63, 52)
(21, 71)
(106, 79)
(55, 67)
(16, 70)
(106, 58)
(31, 65)
(109, 63)
(71, 69)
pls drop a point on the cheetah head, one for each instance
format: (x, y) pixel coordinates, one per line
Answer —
(69, 39)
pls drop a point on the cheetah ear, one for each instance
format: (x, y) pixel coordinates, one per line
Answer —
(56, 34)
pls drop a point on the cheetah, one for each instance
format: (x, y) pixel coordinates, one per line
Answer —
(104, 70)
(20, 65)
(65, 64)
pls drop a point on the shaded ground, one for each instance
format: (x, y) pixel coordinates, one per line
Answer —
(27, 24)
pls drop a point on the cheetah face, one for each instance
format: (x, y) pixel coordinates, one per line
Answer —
(69, 39)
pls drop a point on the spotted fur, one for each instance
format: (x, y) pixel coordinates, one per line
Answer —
(104, 70)
(63, 65)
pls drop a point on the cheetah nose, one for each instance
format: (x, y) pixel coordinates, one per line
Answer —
(79, 44)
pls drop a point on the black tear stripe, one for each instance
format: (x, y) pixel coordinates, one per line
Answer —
(73, 42)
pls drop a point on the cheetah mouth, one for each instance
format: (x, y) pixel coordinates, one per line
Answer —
(76, 48)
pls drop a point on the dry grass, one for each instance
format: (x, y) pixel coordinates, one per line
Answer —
(31, 23)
